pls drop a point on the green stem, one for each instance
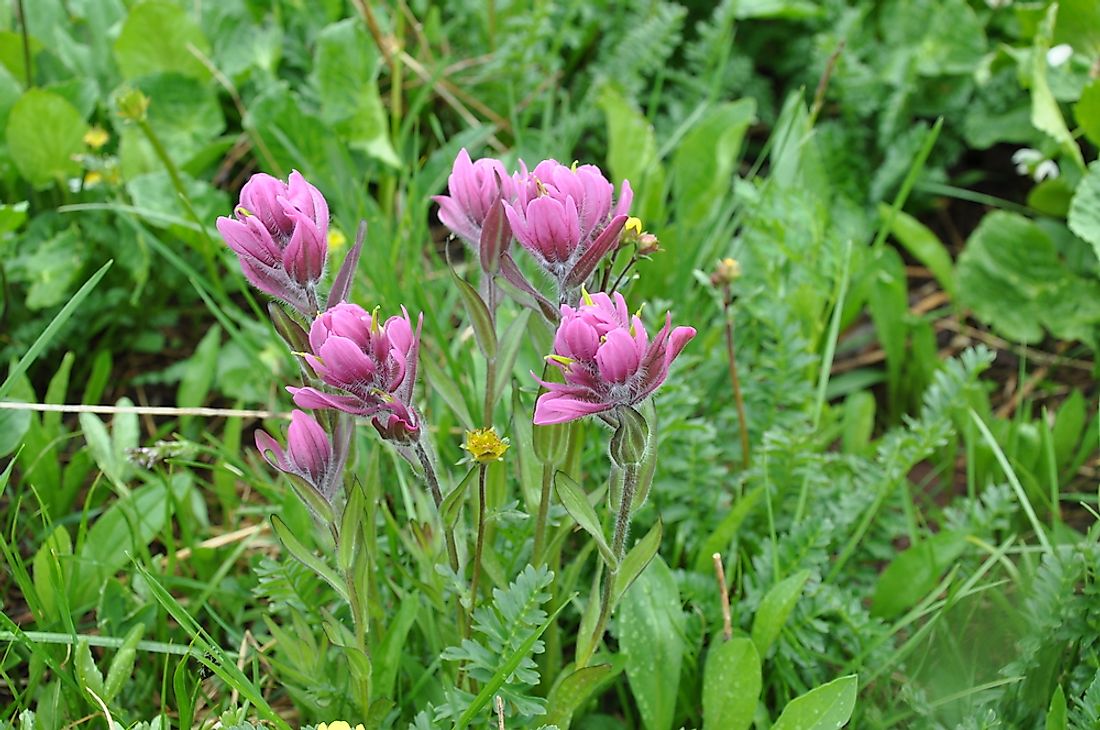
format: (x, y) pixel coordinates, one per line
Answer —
(735, 381)
(359, 620)
(28, 70)
(544, 511)
(437, 497)
(177, 183)
(480, 536)
(618, 548)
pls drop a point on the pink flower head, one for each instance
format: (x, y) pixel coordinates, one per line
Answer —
(372, 364)
(607, 359)
(473, 187)
(309, 454)
(564, 217)
(280, 236)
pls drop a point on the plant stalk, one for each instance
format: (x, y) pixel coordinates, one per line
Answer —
(544, 512)
(437, 496)
(482, 469)
(735, 381)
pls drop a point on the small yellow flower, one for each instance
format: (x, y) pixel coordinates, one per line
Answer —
(633, 224)
(93, 178)
(338, 725)
(336, 239)
(485, 446)
(96, 137)
(727, 271)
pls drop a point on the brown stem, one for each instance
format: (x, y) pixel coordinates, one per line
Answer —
(724, 595)
(437, 497)
(735, 381)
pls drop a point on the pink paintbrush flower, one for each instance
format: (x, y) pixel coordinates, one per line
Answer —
(565, 218)
(310, 454)
(280, 235)
(372, 365)
(607, 359)
(473, 187)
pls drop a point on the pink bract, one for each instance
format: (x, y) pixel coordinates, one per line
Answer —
(309, 454)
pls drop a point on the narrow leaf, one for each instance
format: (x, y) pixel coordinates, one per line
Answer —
(305, 557)
(576, 504)
(341, 285)
(774, 610)
(636, 561)
(480, 318)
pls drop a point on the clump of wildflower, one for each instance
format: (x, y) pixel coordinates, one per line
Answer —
(280, 235)
(371, 363)
(606, 358)
(473, 187)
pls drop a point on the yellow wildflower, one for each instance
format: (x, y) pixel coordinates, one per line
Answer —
(485, 446)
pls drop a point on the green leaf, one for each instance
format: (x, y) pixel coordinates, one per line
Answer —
(632, 153)
(1057, 712)
(123, 663)
(388, 658)
(447, 388)
(12, 216)
(774, 610)
(719, 540)
(1045, 112)
(350, 541)
(1012, 276)
(827, 707)
(480, 318)
(51, 268)
(731, 685)
(1087, 111)
(573, 690)
(199, 374)
(185, 115)
(1084, 209)
(87, 673)
(1069, 424)
(704, 164)
(636, 561)
(345, 73)
(1079, 25)
(923, 245)
(915, 572)
(857, 422)
(451, 506)
(509, 346)
(304, 556)
(888, 303)
(50, 574)
(157, 36)
(650, 627)
(13, 426)
(576, 504)
(44, 132)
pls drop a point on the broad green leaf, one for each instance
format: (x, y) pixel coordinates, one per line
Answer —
(480, 319)
(44, 132)
(12, 216)
(573, 690)
(13, 426)
(827, 707)
(118, 673)
(576, 504)
(774, 610)
(159, 36)
(635, 561)
(913, 573)
(52, 267)
(1057, 712)
(704, 164)
(12, 55)
(1012, 276)
(923, 245)
(293, 134)
(87, 673)
(345, 73)
(650, 626)
(1045, 112)
(731, 685)
(1087, 111)
(1084, 209)
(632, 153)
(1078, 25)
(51, 571)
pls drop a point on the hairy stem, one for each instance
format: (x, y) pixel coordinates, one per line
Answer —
(437, 497)
(544, 512)
(618, 548)
(480, 535)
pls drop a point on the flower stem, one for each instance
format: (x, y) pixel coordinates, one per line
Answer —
(437, 497)
(480, 535)
(735, 381)
(544, 511)
(618, 548)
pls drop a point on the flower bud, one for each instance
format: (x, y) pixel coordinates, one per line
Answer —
(631, 438)
(132, 105)
(726, 272)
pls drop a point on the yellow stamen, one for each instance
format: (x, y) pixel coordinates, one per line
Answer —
(633, 224)
(573, 167)
(561, 359)
(586, 297)
(241, 210)
(375, 328)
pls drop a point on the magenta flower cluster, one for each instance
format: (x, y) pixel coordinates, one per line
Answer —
(280, 235)
(606, 358)
(566, 218)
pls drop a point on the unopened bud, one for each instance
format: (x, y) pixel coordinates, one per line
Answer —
(631, 438)
(132, 105)
(648, 244)
(727, 272)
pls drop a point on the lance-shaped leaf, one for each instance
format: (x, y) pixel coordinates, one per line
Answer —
(636, 561)
(341, 285)
(515, 277)
(496, 234)
(293, 334)
(482, 321)
(576, 504)
(591, 258)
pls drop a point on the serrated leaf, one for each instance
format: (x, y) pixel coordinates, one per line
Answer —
(774, 610)
(1084, 208)
(731, 685)
(827, 707)
(576, 504)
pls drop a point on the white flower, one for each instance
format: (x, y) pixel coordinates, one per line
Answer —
(1059, 54)
(1025, 158)
(1045, 169)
